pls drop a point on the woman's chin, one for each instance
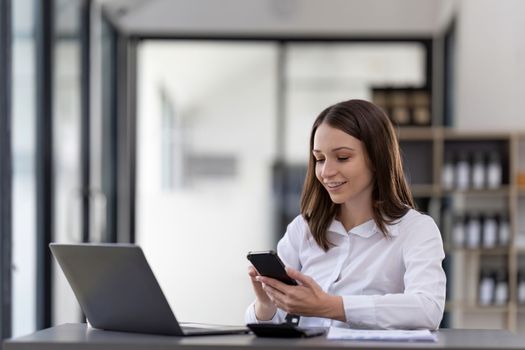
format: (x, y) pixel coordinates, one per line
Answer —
(337, 199)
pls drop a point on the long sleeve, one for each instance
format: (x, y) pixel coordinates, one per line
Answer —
(250, 317)
(422, 302)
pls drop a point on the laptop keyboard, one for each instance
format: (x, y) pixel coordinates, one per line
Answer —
(196, 329)
(189, 330)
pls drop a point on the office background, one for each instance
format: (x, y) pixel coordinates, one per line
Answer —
(182, 126)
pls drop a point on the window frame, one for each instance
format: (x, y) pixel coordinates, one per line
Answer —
(5, 172)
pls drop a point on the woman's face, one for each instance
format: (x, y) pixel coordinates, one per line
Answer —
(341, 165)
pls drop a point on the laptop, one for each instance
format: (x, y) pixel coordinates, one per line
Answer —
(117, 291)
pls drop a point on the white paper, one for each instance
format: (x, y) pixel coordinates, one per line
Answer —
(386, 335)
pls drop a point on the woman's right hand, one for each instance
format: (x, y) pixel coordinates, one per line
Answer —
(265, 309)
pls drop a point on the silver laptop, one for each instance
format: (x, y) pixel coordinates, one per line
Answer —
(117, 290)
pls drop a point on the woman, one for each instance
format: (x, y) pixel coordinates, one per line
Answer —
(363, 257)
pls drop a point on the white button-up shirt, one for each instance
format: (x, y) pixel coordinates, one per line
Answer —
(385, 283)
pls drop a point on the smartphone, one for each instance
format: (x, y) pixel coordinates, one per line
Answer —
(268, 264)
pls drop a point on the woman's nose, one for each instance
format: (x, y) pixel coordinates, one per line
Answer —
(328, 169)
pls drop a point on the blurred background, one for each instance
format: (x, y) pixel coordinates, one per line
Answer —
(183, 125)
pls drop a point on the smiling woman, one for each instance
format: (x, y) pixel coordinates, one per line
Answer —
(374, 173)
(362, 255)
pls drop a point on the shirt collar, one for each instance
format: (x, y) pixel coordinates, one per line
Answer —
(365, 230)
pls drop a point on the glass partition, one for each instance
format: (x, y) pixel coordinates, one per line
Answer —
(66, 148)
(205, 147)
(23, 123)
(321, 74)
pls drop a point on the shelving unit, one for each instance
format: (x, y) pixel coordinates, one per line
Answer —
(424, 152)
(519, 221)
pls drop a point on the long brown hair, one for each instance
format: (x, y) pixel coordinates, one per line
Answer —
(391, 196)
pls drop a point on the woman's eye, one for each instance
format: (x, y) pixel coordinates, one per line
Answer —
(342, 159)
(319, 160)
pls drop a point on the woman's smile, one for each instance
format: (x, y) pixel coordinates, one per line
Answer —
(334, 186)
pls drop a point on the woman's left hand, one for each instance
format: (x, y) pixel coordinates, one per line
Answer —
(306, 299)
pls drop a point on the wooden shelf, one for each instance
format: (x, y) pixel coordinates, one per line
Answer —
(480, 251)
(469, 307)
(429, 190)
(488, 308)
(407, 133)
(458, 135)
(500, 191)
(416, 133)
(424, 190)
(520, 249)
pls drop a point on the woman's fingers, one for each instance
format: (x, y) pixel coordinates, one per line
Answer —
(306, 281)
(252, 272)
(275, 284)
(275, 295)
(303, 299)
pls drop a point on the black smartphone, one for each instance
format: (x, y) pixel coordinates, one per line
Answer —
(268, 264)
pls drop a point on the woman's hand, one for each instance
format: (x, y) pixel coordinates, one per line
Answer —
(306, 299)
(265, 309)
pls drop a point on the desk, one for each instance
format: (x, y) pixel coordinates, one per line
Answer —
(79, 336)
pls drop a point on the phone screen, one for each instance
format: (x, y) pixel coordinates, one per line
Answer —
(268, 264)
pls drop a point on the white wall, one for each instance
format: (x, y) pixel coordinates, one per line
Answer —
(490, 65)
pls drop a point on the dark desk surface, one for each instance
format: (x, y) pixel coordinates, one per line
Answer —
(79, 336)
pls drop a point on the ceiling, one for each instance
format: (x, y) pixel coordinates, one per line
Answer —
(269, 18)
